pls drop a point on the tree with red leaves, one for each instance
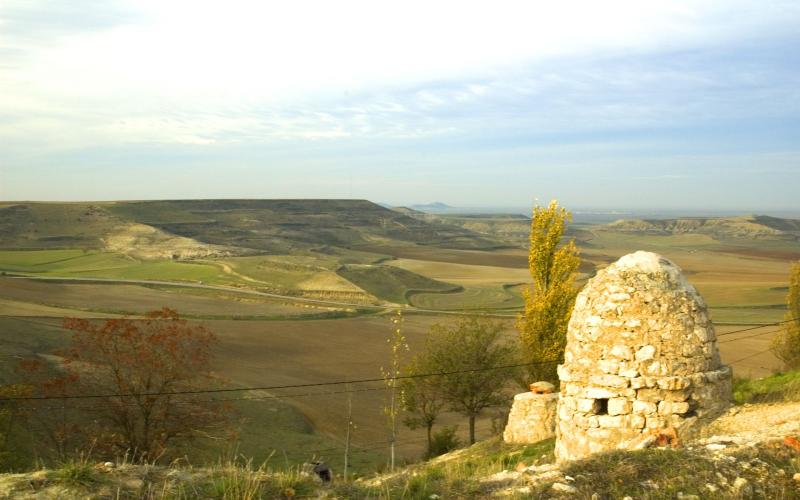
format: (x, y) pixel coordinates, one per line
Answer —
(137, 366)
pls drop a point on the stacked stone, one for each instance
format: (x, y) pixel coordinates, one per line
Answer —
(533, 415)
(641, 355)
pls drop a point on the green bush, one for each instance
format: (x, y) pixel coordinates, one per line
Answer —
(775, 388)
(76, 472)
(443, 441)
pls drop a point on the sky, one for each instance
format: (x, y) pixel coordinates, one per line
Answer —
(602, 105)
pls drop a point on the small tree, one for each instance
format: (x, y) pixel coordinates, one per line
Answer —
(786, 344)
(549, 301)
(397, 343)
(469, 354)
(422, 397)
(139, 364)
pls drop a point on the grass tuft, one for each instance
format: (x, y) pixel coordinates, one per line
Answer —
(76, 472)
(775, 388)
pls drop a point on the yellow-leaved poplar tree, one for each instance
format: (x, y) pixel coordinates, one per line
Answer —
(548, 302)
(786, 344)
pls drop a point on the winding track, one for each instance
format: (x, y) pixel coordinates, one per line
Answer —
(245, 291)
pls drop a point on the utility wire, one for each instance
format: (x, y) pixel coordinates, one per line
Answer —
(214, 400)
(276, 387)
(342, 382)
(749, 356)
(777, 323)
(748, 337)
(308, 394)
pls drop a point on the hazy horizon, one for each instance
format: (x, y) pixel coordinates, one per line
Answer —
(616, 105)
(580, 213)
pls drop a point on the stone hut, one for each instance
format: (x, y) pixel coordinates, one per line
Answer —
(641, 357)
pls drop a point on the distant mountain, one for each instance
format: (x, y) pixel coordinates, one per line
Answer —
(414, 213)
(750, 227)
(512, 229)
(436, 206)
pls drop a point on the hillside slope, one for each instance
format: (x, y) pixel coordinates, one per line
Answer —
(262, 226)
(751, 452)
(722, 228)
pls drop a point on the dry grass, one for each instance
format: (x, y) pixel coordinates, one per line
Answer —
(136, 299)
(513, 258)
(465, 274)
(289, 352)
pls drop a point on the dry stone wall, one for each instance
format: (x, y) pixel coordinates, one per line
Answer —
(641, 356)
(532, 418)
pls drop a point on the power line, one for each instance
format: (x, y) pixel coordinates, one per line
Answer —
(277, 387)
(214, 400)
(748, 337)
(777, 323)
(309, 394)
(749, 356)
(338, 382)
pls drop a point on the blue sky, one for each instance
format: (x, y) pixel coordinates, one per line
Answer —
(608, 105)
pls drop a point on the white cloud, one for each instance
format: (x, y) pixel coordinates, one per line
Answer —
(239, 49)
(91, 74)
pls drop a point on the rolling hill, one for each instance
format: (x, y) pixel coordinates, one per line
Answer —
(722, 228)
(221, 227)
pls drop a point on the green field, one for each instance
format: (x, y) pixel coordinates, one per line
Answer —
(76, 263)
(393, 284)
(287, 272)
(473, 298)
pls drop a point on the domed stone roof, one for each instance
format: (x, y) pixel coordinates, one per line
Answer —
(640, 316)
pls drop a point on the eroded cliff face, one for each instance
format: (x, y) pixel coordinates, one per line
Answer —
(641, 356)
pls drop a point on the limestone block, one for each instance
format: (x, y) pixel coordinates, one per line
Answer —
(587, 405)
(532, 418)
(622, 352)
(619, 406)
(637, 383)
(638, 421)
(609, 381)
(670, 407)
(651, 367)
(698, 378)
(611, 421)
(645, 353)
(674, 383)
(600, 393)
(608, 366)
(564, 374)
(655, 422)
(677, 395)
(644, 407)
(650, 395)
